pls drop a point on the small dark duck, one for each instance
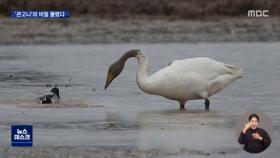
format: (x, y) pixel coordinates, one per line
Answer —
(50, 97)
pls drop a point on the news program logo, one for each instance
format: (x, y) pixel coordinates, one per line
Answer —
(258, 13)
(21, 135)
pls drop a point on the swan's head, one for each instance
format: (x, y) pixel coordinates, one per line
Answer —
(116, 68)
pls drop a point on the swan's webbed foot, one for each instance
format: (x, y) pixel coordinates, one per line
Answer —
(207, 104)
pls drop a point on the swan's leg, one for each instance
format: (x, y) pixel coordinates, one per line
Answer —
(182, 105)
(207, 104)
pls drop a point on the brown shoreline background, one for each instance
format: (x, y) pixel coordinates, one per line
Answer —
(121, 21)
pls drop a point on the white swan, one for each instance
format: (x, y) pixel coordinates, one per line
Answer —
(182, 80)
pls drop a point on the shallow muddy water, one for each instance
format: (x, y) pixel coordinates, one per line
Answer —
(123, 119)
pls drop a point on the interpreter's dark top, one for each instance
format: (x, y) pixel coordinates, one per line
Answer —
(253, 145)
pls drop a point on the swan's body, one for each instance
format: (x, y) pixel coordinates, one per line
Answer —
(188, 79)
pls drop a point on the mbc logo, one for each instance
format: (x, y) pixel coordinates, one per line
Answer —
(258, 13)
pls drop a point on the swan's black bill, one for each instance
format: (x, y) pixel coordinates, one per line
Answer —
(109, 80)
(107, 84)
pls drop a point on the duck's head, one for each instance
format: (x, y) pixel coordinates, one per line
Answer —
(55, 90)
(116, 68)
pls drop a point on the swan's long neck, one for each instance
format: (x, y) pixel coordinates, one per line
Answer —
(142, 77)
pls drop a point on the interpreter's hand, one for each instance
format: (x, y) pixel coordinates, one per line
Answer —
(246, 127)
(257, 136)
